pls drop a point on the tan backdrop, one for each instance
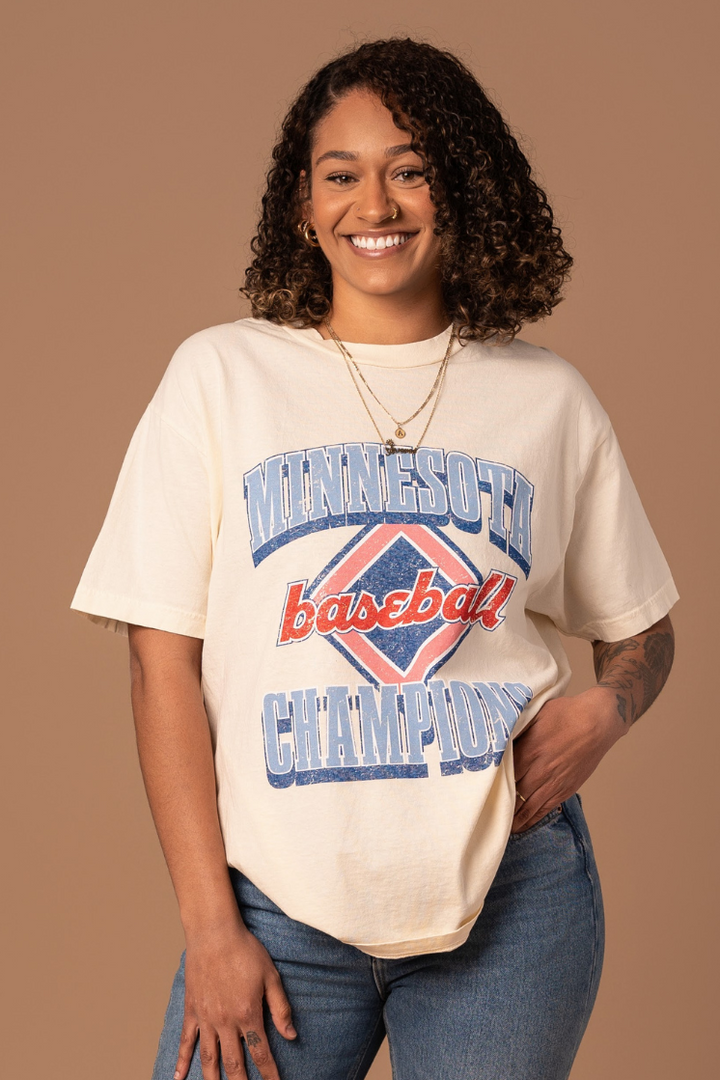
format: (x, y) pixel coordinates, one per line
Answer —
(137, 134)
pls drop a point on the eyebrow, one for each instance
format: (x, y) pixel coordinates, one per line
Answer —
(350, 155)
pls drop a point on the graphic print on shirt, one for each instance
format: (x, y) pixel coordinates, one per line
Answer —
(396, 601)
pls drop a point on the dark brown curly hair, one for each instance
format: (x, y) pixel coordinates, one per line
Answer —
(503, 260)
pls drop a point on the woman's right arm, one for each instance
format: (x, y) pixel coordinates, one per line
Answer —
(228, 971)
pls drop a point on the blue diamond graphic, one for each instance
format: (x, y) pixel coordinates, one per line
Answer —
(400, 564)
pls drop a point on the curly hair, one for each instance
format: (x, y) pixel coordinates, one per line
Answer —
(503, 260)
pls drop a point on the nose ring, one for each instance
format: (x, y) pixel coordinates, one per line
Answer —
(396, 211)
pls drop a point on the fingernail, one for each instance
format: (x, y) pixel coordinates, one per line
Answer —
(292, 1031)
(177, 1076)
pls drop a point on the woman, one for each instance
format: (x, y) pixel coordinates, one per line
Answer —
(343, 541)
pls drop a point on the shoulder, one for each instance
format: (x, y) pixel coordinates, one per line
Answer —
(204, 363)
(545, 385)
(544, 372)
(527, 362)
(226, 343)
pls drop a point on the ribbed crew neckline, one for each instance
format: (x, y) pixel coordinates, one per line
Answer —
(412, 354)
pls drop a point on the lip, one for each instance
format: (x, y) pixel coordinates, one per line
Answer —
(384, 253)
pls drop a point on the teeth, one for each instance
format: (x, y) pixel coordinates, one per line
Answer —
(379, 243)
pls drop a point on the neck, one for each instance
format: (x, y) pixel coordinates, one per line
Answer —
(385, 320)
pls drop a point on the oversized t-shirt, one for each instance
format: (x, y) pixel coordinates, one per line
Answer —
(377, 628)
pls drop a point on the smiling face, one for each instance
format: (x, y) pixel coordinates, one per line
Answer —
(370, 207)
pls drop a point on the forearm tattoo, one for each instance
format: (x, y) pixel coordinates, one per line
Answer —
(637, 667)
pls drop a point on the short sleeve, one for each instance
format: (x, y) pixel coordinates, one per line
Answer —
(614, 581)
(151, 562)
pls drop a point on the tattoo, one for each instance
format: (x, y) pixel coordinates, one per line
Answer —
(638, 666)
(252, 1038)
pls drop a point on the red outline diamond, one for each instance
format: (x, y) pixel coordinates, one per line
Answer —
(343, 575)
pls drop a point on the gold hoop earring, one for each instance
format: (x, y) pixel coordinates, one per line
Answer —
(308, 233)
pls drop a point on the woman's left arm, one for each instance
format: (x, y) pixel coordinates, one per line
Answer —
(569, 736)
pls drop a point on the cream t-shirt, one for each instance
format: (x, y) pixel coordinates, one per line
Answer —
(377, 629)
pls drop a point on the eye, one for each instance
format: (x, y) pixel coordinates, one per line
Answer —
(340, 178)
(408, 174)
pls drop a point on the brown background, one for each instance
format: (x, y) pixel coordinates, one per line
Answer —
(137, 134)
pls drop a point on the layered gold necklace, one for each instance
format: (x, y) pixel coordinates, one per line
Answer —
(391, 447)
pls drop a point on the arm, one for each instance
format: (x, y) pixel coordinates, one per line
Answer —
(636, 668)
(569, 736)
(227, 970)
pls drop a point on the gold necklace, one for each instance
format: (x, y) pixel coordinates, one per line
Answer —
(390, 446)
(399, 424)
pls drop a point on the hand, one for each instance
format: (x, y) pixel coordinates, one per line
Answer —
(226, 979)
(560, 749)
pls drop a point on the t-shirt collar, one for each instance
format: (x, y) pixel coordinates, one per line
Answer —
(412, 354)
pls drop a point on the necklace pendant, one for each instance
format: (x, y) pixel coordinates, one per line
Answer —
(392, 448)
(389, 445)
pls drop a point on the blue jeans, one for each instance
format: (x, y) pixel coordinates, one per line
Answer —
(512, 1003)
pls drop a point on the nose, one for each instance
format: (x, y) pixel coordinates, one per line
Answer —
(374, 204)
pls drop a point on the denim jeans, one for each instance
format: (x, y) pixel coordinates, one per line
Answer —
(511, 1003)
